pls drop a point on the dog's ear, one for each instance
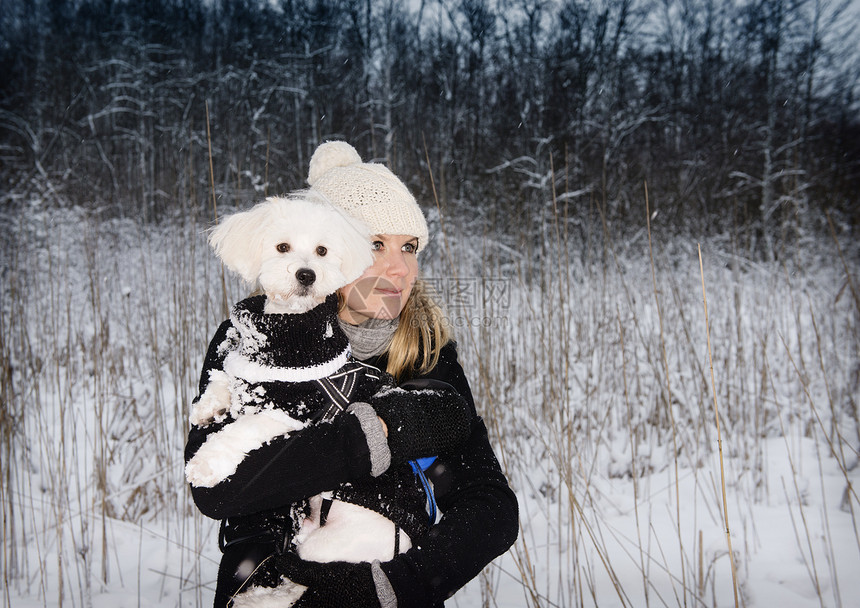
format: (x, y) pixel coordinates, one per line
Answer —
(237, 241)
(355, 236)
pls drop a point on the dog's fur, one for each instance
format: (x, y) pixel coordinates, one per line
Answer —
(298, 251)
(247, 243)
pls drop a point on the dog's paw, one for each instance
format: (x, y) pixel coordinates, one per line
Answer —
(215, 461)
(214, 403)
(282, 596)
(200, 474)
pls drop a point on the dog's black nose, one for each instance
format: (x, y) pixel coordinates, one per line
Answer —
(306, 276)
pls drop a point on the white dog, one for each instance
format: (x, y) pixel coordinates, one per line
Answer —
(298, 251)
(282, 348)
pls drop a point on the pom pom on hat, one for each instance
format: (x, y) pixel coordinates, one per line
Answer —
(367, 191)
(331, 154)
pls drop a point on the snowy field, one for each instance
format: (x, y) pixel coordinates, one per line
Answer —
(591, 367)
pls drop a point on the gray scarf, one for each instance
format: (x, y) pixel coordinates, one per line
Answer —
(370, 338)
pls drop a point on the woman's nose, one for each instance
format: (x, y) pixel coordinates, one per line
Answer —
(395, 263)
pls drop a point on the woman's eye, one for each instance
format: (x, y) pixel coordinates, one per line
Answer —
(410, 247)
(321, 251)
(377, 245)
(283, 247)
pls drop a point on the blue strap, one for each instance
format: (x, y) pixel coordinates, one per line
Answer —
(422, 463)
(419, 466)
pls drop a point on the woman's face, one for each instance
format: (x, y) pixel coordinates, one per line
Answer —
(381, 292)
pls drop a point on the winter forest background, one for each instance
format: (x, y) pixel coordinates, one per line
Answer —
(645, 217)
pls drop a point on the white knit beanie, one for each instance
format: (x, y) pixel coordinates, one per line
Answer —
(367, 191)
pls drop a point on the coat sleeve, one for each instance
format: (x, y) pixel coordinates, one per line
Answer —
(480, 515)
(322, 456)
(287, 469)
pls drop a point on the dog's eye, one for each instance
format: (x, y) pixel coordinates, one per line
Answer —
(321, 251)
(283, 247)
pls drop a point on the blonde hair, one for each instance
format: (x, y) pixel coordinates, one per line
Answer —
(420, 335)
(422, 332)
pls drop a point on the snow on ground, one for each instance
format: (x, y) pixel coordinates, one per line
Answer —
(104, 327)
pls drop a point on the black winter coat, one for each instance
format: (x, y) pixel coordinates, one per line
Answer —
(479, 511)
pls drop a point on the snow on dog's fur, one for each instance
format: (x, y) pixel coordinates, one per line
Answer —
(298, 251)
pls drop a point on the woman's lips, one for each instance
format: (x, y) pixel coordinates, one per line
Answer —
(389, 293)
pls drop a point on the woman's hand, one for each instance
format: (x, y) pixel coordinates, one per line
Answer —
(428, 418)
(332, 584)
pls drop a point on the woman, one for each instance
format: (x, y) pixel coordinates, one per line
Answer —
(394, 325)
